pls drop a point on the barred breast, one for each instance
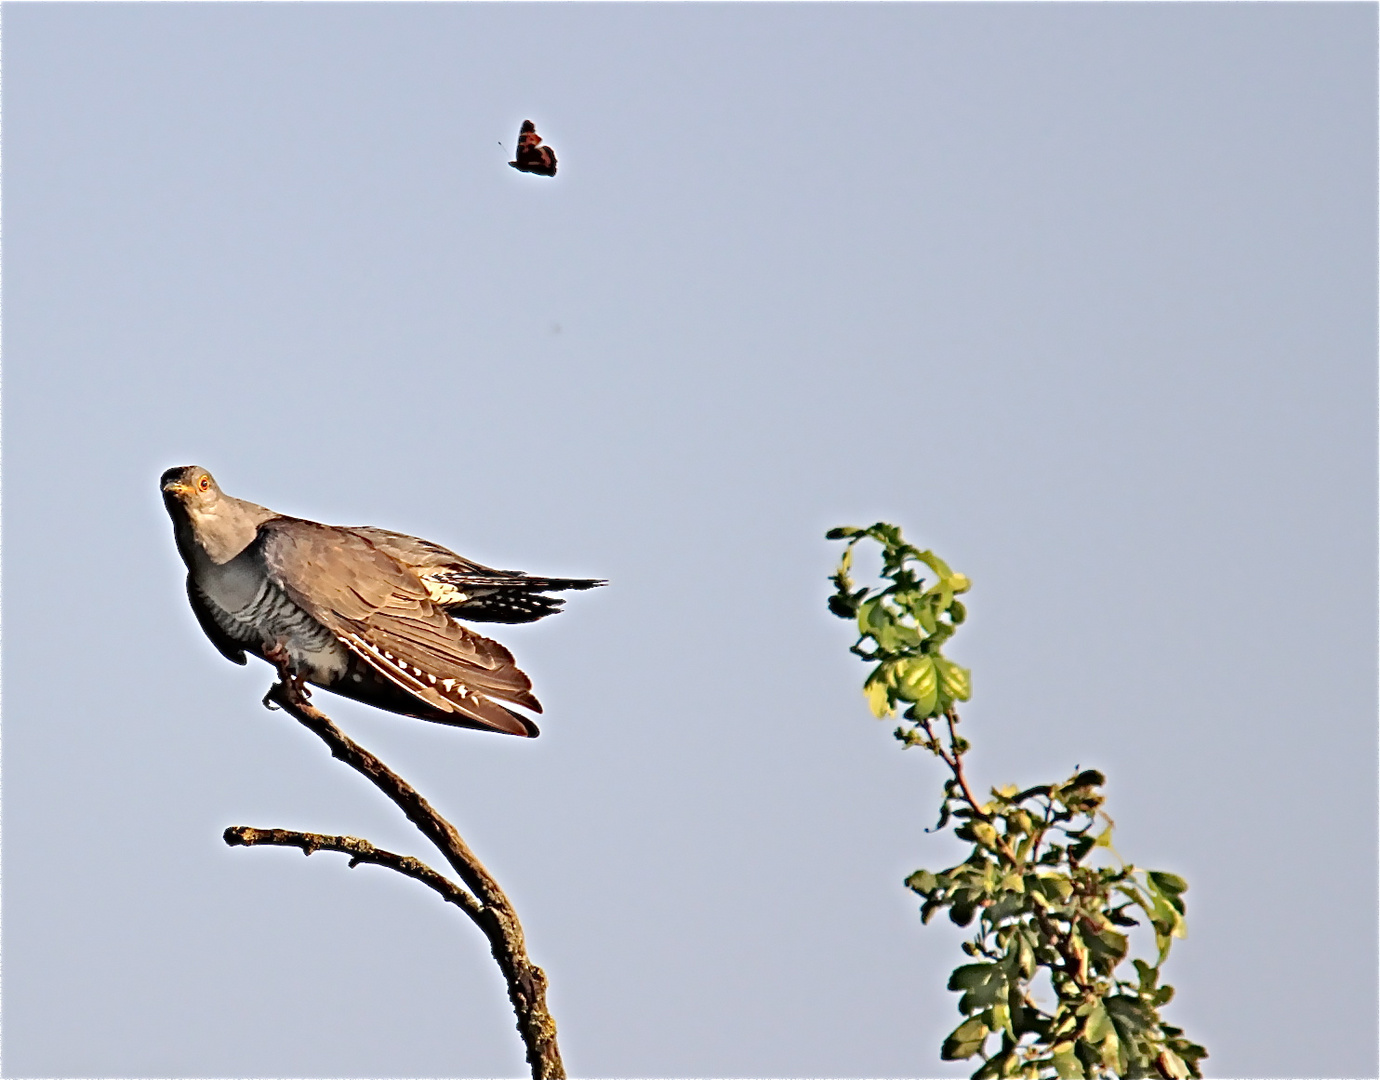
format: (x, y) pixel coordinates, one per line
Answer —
(269, 616)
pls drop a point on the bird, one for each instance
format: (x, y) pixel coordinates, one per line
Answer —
(532, 156)
(362, 612)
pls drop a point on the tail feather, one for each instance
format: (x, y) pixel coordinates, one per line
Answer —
(501, 597)
(514, 580)
(506, 608)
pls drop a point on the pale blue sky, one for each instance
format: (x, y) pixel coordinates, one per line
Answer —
(1083, 296)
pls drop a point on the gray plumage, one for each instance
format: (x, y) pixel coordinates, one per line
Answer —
(364, 612)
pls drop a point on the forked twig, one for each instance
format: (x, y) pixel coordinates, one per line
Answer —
(484, 902)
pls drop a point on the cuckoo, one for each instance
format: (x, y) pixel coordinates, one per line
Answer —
(362, 612)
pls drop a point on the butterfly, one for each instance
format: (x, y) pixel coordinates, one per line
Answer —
(532, 157)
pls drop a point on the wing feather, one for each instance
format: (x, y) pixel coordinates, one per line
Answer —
(380, 610)
(472, 591)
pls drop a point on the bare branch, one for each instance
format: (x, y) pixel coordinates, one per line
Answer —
(360, 851)
(495, 915)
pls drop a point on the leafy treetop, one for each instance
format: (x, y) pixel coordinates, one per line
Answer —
(1038, 903)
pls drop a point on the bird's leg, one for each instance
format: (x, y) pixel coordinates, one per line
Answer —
(293, 684)
(277, 655)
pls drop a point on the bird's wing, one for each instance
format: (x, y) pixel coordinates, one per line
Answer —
(381, 611)
(472, 591)
(419, 553)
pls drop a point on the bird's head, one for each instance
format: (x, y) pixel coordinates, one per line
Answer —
(205, 518)
(191, 486)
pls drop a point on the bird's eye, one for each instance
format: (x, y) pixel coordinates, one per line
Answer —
(203, 483)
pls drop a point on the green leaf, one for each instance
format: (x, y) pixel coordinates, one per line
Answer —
(1172, 1065)
(842, 605)
(1166, 914)
(983, 985)
(1055, 886)
(1168, 884)
(984, 833)
(876, 688)
(1107, 946)
(1098, 1024)
(1066, 1063)
(894, 637)
(999, 1018)
(1006, 906)
(1025, 956)
(971, 976)
(919, 683)
(1130, 1016)
(1190, 1052)
(888, 534)
(843, 532)
(1114, 1054)
(957, 682)
(965, 1040)
(923, 882)
(873, 616)
(935, 563)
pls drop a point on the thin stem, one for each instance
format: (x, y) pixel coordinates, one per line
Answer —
(953, 758)
(956, 764)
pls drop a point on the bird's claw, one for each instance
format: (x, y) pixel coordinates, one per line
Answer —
(290, 684)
